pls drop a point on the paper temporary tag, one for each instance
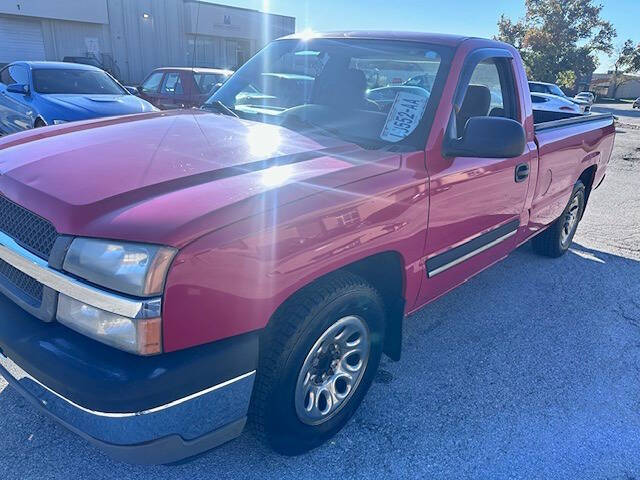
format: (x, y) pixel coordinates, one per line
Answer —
(404, 116)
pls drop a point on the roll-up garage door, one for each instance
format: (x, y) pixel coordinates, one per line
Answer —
(20, 39)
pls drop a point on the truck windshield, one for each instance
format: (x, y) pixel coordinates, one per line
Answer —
(354, 89)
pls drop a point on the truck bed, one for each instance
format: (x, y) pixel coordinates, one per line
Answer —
(544, 120)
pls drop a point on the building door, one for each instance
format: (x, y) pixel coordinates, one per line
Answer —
(20, 39)
(236, 52)
(231, 51)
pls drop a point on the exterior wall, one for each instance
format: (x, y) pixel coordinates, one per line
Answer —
(93, 11)
(65, 38)
(631, 89)
(602, 85)
(142, 35)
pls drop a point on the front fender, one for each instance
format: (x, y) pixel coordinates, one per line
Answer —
(232, 280)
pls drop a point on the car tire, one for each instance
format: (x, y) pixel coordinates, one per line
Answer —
(39, 123)
(556, 239)
(294, 408)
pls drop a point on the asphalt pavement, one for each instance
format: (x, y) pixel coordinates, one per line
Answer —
(530, 370)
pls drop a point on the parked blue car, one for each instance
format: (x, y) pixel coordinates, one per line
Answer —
(34, 94)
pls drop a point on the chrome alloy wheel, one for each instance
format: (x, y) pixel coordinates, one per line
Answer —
(332, 370)
(570, 221)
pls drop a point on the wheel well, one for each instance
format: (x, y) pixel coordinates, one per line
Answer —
(385, 272)
(587, 177)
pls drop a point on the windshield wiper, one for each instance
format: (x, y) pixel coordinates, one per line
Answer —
(220, 107)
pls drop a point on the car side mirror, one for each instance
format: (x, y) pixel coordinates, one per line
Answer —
(488, 137)
(133, 90)
(20, 88)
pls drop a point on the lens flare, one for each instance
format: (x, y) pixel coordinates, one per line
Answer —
(263, 140)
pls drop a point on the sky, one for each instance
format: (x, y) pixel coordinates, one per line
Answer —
(463, 17)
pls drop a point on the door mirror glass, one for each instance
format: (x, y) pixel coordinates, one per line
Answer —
(488, 137)
(18, 88)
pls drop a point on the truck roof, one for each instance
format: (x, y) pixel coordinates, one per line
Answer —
(437, 38)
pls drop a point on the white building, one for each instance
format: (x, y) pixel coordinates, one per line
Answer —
(132, 37)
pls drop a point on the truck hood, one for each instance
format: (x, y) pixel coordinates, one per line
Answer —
(90, 106)
(170, 177)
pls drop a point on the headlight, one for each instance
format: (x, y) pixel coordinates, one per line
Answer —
(142, 336)
(58, 122)
(133, 268)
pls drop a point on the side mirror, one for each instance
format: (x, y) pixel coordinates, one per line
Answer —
(488, 137)
(133, 90)
(20, 88)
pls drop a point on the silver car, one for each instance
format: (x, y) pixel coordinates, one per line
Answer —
(585, 97)
(554, 103)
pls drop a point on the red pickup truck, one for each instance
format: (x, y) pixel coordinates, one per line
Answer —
(168, 275)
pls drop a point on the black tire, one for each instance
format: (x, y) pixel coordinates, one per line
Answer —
(550, 242)
(285, 344)
(39, 123)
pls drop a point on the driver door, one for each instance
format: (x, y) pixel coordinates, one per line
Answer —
(475, 203)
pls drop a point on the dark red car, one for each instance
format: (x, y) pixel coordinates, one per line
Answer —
(181, 87)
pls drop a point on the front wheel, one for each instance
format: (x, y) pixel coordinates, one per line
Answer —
(556, 239)
(318, 358)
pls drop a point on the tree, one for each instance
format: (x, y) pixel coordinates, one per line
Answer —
(627, 61)
(558, 36)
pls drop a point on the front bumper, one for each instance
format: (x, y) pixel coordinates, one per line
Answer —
(145, 410)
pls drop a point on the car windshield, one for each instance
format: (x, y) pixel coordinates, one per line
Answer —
(74, 81)
(555, 90)
(352, 89)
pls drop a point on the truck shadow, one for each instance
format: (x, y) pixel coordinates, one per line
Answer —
(528, 365)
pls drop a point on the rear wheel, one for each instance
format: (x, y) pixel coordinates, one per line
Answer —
(557, 238)
(318, 358)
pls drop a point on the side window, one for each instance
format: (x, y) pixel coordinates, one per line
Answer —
(152, 84)
(172, 84)
(19, 74)
(534, 87)
(5, 78)
(491, 92)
